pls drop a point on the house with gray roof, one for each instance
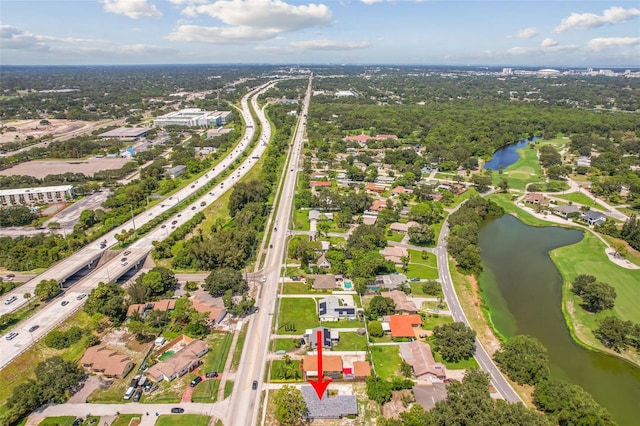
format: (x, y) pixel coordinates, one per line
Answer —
(329, 309)
(565, 210)
(330, 337)
(389, 281)
(335, 407)
(593, 217)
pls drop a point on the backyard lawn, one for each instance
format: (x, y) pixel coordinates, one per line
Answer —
(395, 236)
(183, 420)
(301, 220)
(281, 371)
(461, 365)
(580, 198)
(386, 360)
(433, 320)
(351, 342)
(283, 345)
(219, 345)
(301, 313)
(422, 268)
(206, 391)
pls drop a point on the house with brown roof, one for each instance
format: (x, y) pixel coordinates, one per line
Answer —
(322, 262)
(100, 359)
(142, 308)
(418, 355)
(395, 254)
(361, 369)
(536, 198)
(403, 305)
(378, 205)
(403, 227)
(372, 187)
(180, 363)
(401, 190)
(216, 313)
(403, 326)
(324, 282)
(331, 366)
(458, 188)
(319, 183)
(361, 138)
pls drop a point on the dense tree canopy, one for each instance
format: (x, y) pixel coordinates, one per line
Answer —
(454, 341)
(524, 359)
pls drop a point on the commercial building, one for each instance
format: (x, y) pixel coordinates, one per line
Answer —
(176, 171)
(29, 196)
(125, 133)
(194, 117)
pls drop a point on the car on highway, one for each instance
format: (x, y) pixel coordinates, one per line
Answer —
(254, 385)
(163, 226)
(126, 253)
(33, 328)
(10, 300)
(211, 374)
(177, 410)
(264, 278)
(9, 277)
(124, 259)
(11, 335)
(81, 296)
(124, 263)
(202, 204)
(193, 208)
(195, 381)
(64, 303)
(174, 222)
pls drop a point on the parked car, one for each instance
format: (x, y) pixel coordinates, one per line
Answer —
(81, 296)
(153, 388)
(129, 393)
(77, 422)
(33, 328)
(11, 335)
(211, 374)
(64, 303)
(10, 300)
(177, 410)
(195, 382)
(137, 395)
(415, 279)
(254, 386)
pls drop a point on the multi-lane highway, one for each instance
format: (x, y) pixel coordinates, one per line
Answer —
(54, 313)
(481, 355)
(245, 400)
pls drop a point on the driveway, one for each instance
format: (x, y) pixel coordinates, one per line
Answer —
(90, 384)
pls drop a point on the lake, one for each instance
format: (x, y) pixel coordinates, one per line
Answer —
(523, 291)
(507, 155)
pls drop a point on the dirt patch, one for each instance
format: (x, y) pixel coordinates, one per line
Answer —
(56, 127)
(400, 402)
(40, 168)
(124, 343)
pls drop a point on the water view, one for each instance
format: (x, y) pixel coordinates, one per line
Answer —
(507, 155)
(522, 288)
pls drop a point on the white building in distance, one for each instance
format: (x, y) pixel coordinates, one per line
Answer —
(193, 117)
(30, 196)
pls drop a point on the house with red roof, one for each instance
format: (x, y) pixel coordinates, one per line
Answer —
(403, 326)
(319, 183)
(372, 187)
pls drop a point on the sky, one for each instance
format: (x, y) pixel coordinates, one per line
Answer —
(424, 32)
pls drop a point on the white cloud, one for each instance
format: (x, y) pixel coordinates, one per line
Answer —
(583, 21)
(250, 20)
(181, 2)
(598, 44)
(269, 14)
(320, 44)
(525, 33)
(548, 42)
(372, 1)
(134, 9)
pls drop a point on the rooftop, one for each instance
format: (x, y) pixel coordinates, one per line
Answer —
(403, 325)
(328, 407)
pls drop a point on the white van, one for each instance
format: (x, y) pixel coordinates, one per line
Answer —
(129, 393)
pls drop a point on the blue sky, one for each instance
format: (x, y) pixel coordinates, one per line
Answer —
(507, 32)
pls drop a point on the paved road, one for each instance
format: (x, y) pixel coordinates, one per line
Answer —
(54, 313)
(483, 358)
(245, 402)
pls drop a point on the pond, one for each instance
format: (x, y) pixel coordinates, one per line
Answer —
(507, 155)
(523, 291)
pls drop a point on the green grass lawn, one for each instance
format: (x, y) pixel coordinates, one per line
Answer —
(504, 200)
(239, 345)
(124, 419)
(416, 289)
(580, 198)
(433, 320)
(183, 420)
(524, 171)
(206, 391)
(301, 220)
(228, 388)
(395, 237)
(276, 371)
(219, 345)
(343, 324)
(460, 365)
(422, 268)
(299, 312)
(386, 360)
(57, 421)
(351, 342)
(299, 287)
(588, 257)
(283, 345)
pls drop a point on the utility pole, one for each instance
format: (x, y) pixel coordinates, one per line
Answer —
(132, 219)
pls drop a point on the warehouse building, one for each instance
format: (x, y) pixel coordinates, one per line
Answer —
(125, 133)
(30, 196)
(194, 117)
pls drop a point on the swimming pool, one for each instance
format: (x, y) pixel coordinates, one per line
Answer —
(347, 284)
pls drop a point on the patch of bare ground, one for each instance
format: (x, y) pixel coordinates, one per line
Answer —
(400, 401)
(125, 343)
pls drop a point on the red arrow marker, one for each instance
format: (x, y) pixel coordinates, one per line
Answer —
(319, 385)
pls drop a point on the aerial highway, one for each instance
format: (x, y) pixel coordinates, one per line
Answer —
(54, 313)
(245, 400)
(481, 355)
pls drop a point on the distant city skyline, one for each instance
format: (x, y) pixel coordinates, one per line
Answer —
(485, 33)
